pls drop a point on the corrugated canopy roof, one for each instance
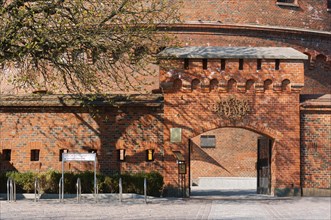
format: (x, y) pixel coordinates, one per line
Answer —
(233, 53)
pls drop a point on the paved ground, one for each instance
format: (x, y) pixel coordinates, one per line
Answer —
(198, 207)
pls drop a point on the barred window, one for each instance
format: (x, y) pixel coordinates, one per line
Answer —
(34, 155)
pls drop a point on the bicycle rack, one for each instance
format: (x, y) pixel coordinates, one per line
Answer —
(79, 190)
(120, 189)
(36, 190)
(11, 190)
(61, 190)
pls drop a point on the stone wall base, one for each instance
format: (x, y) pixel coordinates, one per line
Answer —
(316, 192)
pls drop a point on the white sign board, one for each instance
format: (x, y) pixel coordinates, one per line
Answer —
(79, 157)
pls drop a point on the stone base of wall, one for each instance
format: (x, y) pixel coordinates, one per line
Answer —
(281, 192)
(316, 192)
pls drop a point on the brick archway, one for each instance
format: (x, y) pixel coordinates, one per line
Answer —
(225, 161)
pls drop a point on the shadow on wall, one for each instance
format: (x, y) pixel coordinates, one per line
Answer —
(104, 130)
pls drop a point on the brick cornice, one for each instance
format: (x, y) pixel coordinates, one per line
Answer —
(46, 100)
(207, 26)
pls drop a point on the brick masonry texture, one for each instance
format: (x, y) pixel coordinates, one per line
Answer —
(235, 154)
(317, 68)
(300, 137)
(309, 14)
(79, 131)
(316, 149)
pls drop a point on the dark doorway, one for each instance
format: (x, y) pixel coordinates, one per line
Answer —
(264, 166)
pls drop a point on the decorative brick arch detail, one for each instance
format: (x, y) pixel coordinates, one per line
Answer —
(232, 85)
(250, 85)
(267, 84)
(213, 85)
(177, 84)
(286, 85)
(195, 84)
(254, 127)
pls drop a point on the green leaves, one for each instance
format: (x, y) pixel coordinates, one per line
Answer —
(47, 30)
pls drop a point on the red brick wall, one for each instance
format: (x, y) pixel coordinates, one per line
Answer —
(317, 68)
(235, 154)
(310, 14)
(49, 130)
(316, 149)
(274, 113)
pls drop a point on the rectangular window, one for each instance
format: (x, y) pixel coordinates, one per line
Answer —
(241, 64)
(208, 141)
(149, 155)
(61, 152)
(258, 64)
(204, 64)
(34, 155)
(6, 154)
(329, 5)
(277, 63)
(222, 64)
(121, 154)
(186, 64)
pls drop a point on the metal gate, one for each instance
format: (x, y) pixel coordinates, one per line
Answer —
(263, 166)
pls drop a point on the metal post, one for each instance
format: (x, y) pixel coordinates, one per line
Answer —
(36, 190)
(120, 189)
(11, 187)
(14, 190)
(8, 190)
(145, 190)
(61, 190)
(79, 189)
(11, 190)
(95, 181)
(62, 180)
(96, 192)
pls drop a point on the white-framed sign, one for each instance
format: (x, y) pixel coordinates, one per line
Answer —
(78, 157)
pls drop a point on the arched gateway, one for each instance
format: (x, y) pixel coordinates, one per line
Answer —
(240, 99)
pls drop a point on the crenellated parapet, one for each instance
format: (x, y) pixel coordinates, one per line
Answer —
(232, 69)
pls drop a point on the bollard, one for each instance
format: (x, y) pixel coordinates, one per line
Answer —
(120, 189)
(145, 190)
(79, 190)
(8, 190)
(61, 190)
(96, 192)
(36, 190)
(11, 190)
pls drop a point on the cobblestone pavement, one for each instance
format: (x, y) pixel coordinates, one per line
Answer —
(173, 208)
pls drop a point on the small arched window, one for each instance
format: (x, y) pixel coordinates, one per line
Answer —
(195, 84)
(286, 85)
(213, 84)
(177, 85)
(232, 85)
(267, 85)
(250, 85)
